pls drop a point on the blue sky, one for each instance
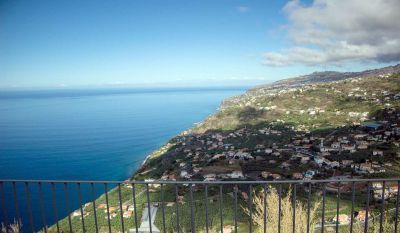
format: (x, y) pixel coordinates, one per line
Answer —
(156, 43)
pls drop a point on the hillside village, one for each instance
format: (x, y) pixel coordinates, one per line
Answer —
(276, 141)
(363, 149)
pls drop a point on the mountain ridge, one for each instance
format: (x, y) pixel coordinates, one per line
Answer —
(329, 76)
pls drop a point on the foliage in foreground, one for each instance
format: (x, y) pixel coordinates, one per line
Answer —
(287, 210)
(12, 228)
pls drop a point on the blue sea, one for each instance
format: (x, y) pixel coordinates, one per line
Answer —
(97, 134)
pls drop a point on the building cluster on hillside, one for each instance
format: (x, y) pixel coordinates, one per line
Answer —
(247, 153)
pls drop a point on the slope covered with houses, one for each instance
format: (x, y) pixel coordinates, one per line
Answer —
(346, 128)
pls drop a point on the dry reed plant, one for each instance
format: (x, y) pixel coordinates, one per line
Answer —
(272, 212)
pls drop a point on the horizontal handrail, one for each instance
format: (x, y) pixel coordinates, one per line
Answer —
(204, 182)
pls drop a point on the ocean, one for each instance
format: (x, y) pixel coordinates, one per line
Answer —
(102, 134)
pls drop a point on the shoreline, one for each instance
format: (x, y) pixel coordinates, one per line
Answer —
(184, 132)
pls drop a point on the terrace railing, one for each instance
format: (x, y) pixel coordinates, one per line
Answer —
(282, 206)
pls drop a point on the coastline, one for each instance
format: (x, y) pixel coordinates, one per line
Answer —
(168, 144)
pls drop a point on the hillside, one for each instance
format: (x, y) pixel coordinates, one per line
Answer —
(330, 76)
(310, 105)
(263, 130)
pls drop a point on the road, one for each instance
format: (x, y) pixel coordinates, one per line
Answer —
(145, 226)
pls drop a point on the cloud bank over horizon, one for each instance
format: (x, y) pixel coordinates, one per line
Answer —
(336, 32)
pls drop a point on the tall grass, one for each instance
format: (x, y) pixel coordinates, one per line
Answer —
(374, 227)
(12, 228)
(272, 212)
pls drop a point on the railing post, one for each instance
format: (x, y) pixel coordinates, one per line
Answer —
(192, 220)
(294, 209)
(81, 208)
(353, 197)
(265, 208)
(42, 210)
(55, 209)
(396, 217)
(178, 226)
(308, 207)
(134, 207)
(148, 206)
(367, 208)
(163, 208)
(323, 207)
(382, 213)
(337, 207)
(28, 202)
(107, 208)
(67, 206)
(250, 203)
(16, 205)
(280, 208)
(121, 210)
(206, 199)
(3, 203)
(220, 208)
(236, 198)
(94, 206)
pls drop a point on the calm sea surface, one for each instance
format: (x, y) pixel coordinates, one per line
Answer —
(91, 134)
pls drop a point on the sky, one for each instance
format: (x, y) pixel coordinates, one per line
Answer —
(96, 43)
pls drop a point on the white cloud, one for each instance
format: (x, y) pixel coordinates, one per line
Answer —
(339, 31)
(243, 9)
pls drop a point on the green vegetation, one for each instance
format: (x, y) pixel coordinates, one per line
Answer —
(332, 103)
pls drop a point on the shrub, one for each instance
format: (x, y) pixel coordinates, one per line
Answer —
(12, 228)
(272, 208)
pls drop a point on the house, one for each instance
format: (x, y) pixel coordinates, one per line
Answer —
(347, 162)
(360, 136)
(210, 177)
(268, 151)
(334, 164)
(365, 168)
(127, 214)
(371, 125)
(342, 219)
(309, 174)
(360, 215)
(350, 148)
(276, 153)
(235, 174)
(276, 176)
(197, 169)
(184, 174)
(362, 146)
(265, 174)
(297, 176)
(319, 160)
(152, 185)
(125, 207)
(101, 206)
(111, 209)
(76, 213)
(335, 145)
(285, 165)
(304, 159)
(377, 153)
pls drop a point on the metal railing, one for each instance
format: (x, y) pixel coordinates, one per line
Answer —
(192, 206)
